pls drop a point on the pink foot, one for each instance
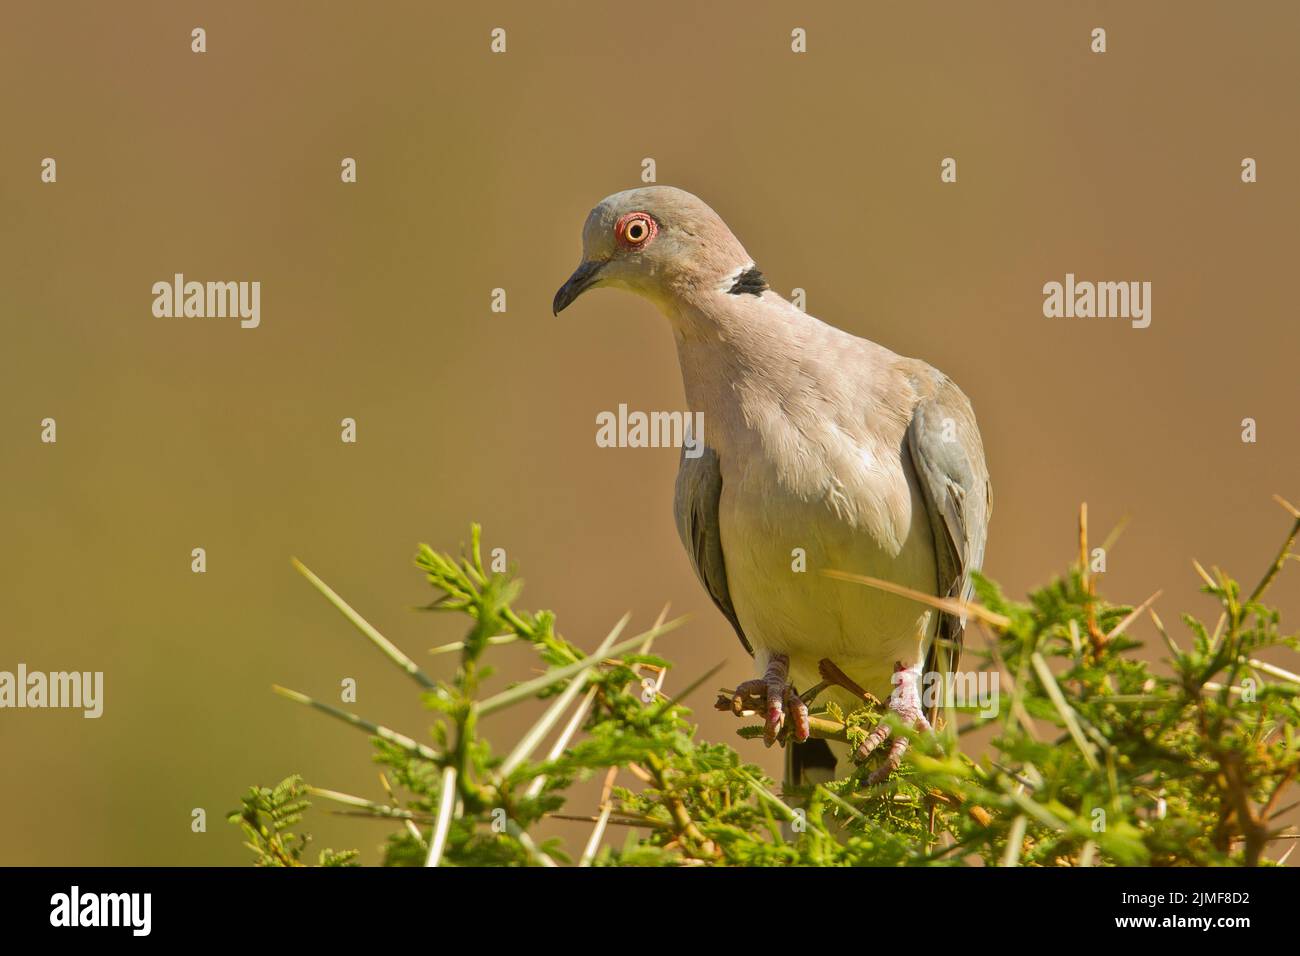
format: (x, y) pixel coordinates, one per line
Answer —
(775, 689)
(905, 701)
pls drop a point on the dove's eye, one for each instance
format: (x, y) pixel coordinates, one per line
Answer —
(635, 229)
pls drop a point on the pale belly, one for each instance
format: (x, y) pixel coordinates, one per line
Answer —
(785, 603)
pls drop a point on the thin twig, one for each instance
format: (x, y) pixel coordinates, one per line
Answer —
(442, 826)
(391, 650)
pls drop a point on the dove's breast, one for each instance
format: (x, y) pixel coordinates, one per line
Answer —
(784, 520)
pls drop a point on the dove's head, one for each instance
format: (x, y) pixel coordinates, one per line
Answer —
(657, 241)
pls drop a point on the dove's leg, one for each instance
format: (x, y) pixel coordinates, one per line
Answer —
(905, 701)
(775, 688)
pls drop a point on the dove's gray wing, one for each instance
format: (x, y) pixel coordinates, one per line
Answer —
(699, 489)
(948, 458)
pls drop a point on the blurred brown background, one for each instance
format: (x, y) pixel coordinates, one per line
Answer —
(476, 171)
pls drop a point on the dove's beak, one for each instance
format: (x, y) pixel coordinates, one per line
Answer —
(583, 278)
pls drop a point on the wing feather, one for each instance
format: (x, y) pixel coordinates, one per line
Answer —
(948, 458)
(699, 490)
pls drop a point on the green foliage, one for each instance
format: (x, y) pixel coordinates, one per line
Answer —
(1096, 757)
(265, 818)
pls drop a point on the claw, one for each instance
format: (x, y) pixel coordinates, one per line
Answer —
(775, 695)
(905, 701)
(776, 691)
(798, 711)
(743, 697)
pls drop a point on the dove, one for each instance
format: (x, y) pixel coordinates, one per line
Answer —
(823, 451)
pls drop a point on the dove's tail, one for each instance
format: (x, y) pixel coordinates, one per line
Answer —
(806, 765)
(809, 763)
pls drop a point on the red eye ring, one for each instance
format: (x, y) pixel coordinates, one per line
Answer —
(635, 229)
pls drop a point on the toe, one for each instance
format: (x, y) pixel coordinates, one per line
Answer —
(775, 720)
(892, 761)
(874, 739)
(798, 711)
(775, 712)
(748, 697)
